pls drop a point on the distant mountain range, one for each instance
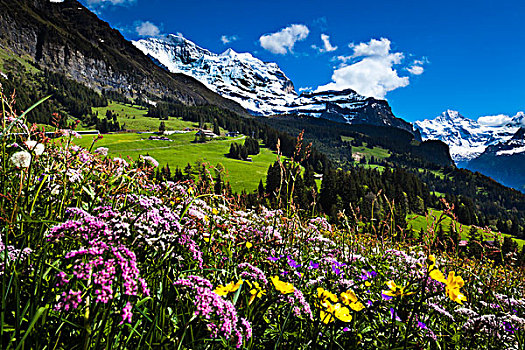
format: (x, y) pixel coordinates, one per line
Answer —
(467, 138)
(262, 88)
(504, 161)
(494, 149)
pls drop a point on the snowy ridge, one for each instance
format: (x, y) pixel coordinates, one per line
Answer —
(262, 88)
(468, 138)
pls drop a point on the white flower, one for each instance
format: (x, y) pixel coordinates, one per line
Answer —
(55, 191)
(75, 175)
(150, 160)
(102, 151)
(121, 162)
(38, 148)
(21, 159)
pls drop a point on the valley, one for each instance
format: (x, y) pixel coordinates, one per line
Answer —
(156, 194)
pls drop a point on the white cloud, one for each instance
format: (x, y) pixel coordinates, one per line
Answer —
(284, 40)
(147, 29)
(415, 70)
(326, 43)
(375, 47)
(495, 120)
(307, 88)
(373, 74)
(226, 39)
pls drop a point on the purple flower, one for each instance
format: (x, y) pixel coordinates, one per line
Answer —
(386, 297)
(509, 327)
(313, 265)
(393, 314)
(293, 264)
(421, 325)
(271, 258)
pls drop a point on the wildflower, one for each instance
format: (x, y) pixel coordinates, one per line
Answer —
(256, 291)
(394, 315)
(350, 299)
(150, 160)
(34, 146)
(21, 159)
(121, 162)
(126, 313)
(395, 290)
(313, 265)
(326, 313)
(324, 294)
(434, 273)
(102, 151)
(293, 264)
(229, 288)
(342, 313)
(283, 287)
(454, 283)
(249, 245)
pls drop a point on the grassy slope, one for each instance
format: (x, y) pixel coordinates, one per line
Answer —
(418, 222)
(6, 54)
(181, 151)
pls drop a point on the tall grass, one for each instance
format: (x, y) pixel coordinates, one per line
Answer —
(96, 254)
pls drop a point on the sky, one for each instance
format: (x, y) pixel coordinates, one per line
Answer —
(424, 57)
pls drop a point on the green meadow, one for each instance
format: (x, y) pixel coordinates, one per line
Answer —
(133, 117)
(419, 222)
(181, 150)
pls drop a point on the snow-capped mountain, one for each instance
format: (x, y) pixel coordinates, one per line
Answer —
(468, 138)
(504, 161)
(262, 88)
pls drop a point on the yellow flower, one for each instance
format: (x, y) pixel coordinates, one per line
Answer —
(357, 306)
(350, 299)
(323, 294)
(431, 261)
(283, 287)
(326, 314)
(342, 313)
(454, 283)
(256, 292)
(249, 245)
(395, 290)
(214, 211)
(437, 275)
(229, 288)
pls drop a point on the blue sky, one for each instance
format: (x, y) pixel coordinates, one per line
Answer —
(422, 56)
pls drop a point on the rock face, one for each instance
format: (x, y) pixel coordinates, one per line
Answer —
(467, 138)
(66, 37)
(262, 88)
(504, 161)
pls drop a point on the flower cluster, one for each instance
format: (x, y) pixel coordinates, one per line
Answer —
(219, 314)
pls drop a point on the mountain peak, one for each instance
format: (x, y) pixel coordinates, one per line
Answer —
(452, 115)
(520, 134)
(229, 52)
